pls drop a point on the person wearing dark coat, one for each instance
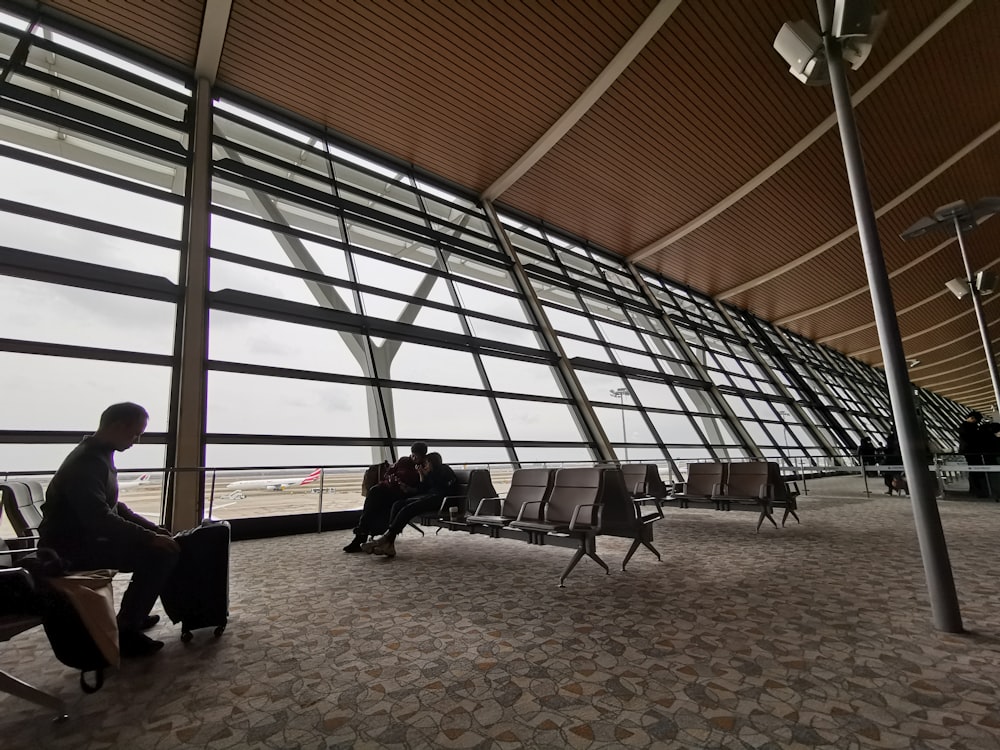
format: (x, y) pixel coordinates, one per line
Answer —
(972, 439)
(892, 457)
(86, 525)
(991, 456)
(867, 454)
(398, 483)
(436, 480)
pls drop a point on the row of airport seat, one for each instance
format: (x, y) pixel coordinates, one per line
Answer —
(17, 587)
(566, 507)
(22, 504)
(738, 485)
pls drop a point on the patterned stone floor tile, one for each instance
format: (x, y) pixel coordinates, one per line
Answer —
(812, 636)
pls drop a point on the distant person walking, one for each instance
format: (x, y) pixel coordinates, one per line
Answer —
(867, 454)
(892, 457)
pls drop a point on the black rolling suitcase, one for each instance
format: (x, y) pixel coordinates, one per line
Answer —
(197, 592)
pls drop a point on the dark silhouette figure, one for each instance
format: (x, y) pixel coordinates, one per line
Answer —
(436, 479)
(86, 525)
(972, 439)
(867, 454)
(892, 457)
(399, 482)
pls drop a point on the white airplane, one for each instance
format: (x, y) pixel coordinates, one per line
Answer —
(132, 483)
(274, 483)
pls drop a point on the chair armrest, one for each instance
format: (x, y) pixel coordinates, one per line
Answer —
(495, 500)
(21, 543)
(719, 488)
(638, 505)
(639, 488)
(576, 514)
(447, 501)
(520, 513)
(17, 592)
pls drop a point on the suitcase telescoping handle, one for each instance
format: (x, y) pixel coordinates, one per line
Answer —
(211, 497)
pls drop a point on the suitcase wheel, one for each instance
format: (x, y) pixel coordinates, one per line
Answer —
(219, 631)
(186, 636)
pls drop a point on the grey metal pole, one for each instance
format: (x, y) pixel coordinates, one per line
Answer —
(621, 397)
(930, 535)
(978, 305)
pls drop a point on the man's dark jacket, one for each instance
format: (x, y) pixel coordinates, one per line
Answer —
(81, 504)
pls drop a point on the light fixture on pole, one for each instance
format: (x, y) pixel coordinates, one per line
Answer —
(958, 218)
(849, 28)
(621, 393)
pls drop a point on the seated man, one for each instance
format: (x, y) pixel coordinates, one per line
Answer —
(436, 479)
(398, 483)
(84, 523)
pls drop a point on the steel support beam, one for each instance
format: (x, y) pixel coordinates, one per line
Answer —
(187, 496)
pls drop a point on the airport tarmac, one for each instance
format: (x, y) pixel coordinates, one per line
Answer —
(341, 491)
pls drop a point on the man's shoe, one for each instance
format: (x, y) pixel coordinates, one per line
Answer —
(132, 644)
(149, 621)
(388, 549)
(355, 545)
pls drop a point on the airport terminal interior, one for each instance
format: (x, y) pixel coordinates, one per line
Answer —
(536, 235)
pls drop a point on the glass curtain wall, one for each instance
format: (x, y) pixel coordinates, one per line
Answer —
(355, 305)
(356, 308)
(94, 158)
(648, 395)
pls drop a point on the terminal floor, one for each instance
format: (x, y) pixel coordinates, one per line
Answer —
(815, 635)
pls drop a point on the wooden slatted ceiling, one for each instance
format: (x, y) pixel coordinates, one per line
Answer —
(703, 109)
(842, 268)
(461, 88)
(170, 28)
(909, 287)
(962, 372)
(678, 130)
(929, 328)
(949, 124)
(771, 226)
(960, 351)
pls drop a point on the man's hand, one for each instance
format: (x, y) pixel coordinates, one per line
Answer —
(165, 543)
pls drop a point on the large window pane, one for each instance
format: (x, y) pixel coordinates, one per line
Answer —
(59, 393)
(261, 405)
(272, 343)
(72, 243)
(428, 364)
(38, 311)
(515, 376)
(534, 420)
(88, 199)
(426, 415)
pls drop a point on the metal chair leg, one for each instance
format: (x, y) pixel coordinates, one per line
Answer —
(14, 686)
(631, 551)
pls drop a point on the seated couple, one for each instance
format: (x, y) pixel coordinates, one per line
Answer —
(414, 485)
